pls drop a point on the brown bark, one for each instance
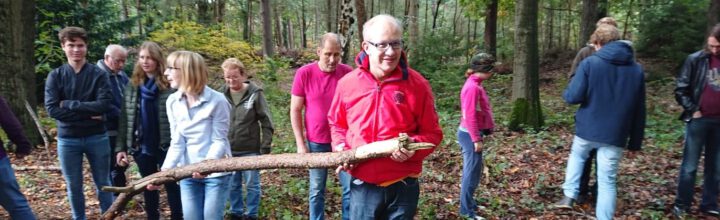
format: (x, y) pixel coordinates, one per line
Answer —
(303, 25)
(328, 19)
(525, 91)
(412, 19)
(490, 36)
(273, 161)
(17, 34)
(712, 14)
(587, 22)
(267, 29)
(361, 17)
(435, 14)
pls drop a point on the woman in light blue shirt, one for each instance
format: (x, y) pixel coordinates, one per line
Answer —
(199, 120)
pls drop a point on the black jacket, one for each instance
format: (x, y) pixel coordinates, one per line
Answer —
(690, 83)
(82, 95)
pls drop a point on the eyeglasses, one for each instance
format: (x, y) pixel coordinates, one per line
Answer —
(385, 45)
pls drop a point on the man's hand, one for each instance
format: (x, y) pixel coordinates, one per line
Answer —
(197, 175)
(302, 148)
(345, 167)
(697, 114)
(152, 187)
(401, 155)
(478, 146)
(121, 159)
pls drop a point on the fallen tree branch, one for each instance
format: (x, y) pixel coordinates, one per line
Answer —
(272, 161)
(39, 127)
(44, 168)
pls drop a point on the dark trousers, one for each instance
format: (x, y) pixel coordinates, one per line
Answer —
(701, 133)
(396, 201)
(117, 173)
(148, 164)
(586, 174)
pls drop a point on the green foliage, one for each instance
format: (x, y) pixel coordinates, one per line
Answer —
(434, 51)
(212, 43)
(663, 32)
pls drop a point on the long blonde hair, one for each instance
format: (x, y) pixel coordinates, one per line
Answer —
(139, 76)
(193, 71)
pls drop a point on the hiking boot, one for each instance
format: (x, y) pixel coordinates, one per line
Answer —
(678, 212)
(565, 203)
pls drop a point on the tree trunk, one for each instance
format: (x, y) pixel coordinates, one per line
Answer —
(435, 14)
(303, 25)
(587, 22)
(139, 10)
(525, 93)
(219, 11)
(344, 25)
(290, 34)
(271, 161)
(627, 19)
(361, 15)
(490, 35)
(328, 20)
(125, 17)
(454, 18)
(17, 34)
(203, 17)
(278, 28)
(267, 29)
(412, 20)
(549, 27)
(712, 14)
(247, 30)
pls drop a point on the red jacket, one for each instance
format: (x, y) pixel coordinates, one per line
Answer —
(365, 110)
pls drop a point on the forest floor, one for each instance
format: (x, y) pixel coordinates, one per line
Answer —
(523, 170)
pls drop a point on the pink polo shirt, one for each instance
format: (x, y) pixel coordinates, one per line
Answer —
(318, 88)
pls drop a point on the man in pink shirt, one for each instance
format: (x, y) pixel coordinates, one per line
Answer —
(312, 91)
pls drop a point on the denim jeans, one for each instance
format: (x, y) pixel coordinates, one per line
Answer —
(318, 178)
(251, 179)
(147, 165)
(699, 133)
(471, 174)
(96, 148)
(396, 201)
(204, 198)
(117, 173)
(345, 179)
(11, 198)
(608, 159)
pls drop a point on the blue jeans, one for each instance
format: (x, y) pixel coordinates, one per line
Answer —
(396, 201)
(204, 198)
(96, 148)
(608, 159)
(318, 178)
(147, 165)
(471, 174)
(699, 133)
(10, 196)
(251, 179)
(345, 180)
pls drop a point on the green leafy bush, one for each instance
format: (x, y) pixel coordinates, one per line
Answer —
(188, 35)
(666, 33)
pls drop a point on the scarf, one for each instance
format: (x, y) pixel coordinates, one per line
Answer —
(149, 126)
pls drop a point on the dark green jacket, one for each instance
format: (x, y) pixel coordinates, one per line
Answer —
(251, 128)
(126, 140)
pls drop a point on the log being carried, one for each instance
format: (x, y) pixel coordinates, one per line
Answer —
(272, 161)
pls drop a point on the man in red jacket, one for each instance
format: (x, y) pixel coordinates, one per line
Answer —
(380, 99)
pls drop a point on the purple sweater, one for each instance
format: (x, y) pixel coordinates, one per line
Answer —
(476, 111)
(13, 129)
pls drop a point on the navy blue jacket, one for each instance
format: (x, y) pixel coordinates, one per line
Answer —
(610, 88)
(83, 95)
(117, 87)
(13, 129)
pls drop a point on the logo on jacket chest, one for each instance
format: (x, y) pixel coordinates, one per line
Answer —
(399, 97)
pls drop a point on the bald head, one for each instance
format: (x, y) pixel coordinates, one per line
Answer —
(329, 39)
(381, 22)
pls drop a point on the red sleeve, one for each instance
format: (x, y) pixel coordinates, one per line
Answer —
(298, 88)
(429, 129)
(338, 121)
(469, 105)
